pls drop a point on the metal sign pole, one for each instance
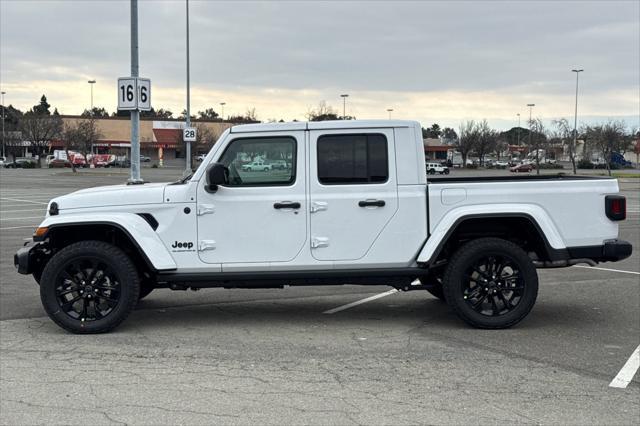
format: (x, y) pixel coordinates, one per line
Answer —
(135, 114)
(187, 169)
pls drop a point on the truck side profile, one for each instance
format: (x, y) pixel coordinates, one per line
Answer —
(352, 206)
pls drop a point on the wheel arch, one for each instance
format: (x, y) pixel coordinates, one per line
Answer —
(130, 232)
(522, 228)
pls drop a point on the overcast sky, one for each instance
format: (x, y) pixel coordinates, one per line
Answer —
(431, 61)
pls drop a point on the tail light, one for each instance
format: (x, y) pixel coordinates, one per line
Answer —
(615, 206)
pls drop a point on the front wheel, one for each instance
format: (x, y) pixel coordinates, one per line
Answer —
(89, 287)
(491, 283)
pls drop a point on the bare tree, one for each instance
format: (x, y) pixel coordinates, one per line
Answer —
(71, 141)
(89, 135)
(538, 139)
(39, 129)
(608, 138)
(564, 133)
(322, 113)
(487, 139)
(467, 139)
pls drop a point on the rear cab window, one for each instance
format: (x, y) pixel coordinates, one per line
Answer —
(347, 159)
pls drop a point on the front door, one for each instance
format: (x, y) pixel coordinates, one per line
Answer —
(353, 192)
(260, 215)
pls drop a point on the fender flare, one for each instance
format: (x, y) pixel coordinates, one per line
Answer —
(534, 213)
(135, 227)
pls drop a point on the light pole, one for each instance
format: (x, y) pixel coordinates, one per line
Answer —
(91, 83)
(187, 170)
(389, 110)
(575, 123)
(222, 104)
(530, 120)
(4, 154)
(518, 129)
(135, 114)
(344, 105)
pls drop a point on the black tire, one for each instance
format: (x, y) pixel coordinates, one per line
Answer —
(432, 171)
(446, 171)
(86, 307)
(435, 286)
(491, 274)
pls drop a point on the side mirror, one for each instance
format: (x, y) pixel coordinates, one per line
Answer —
(217, 174)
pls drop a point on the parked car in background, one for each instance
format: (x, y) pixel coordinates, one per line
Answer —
(280, 165)
(500, 164)
(145, 159)
(3, 161)
(21, 163)
(521, 168)
(120, 161)
(256, 166)
(433, 168)
(58, 163)
(200, 157)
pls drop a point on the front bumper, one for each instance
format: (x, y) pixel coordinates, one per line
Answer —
(610, 251)
(29, 258)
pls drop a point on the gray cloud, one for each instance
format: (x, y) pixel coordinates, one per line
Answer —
(355, 46)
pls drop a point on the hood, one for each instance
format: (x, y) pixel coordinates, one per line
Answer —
(113, 195)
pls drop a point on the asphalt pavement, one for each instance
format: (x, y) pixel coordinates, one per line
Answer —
(276, 356)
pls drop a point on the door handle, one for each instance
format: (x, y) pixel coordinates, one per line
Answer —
(371, 203)
(286, 205)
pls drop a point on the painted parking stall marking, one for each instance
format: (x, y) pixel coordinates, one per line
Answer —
(607, 269)
(360, 302)
(626, 373)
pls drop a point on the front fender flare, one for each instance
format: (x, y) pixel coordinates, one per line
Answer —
(450, 221)
(134, 226)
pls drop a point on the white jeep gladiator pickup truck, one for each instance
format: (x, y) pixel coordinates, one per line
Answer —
(354, 207)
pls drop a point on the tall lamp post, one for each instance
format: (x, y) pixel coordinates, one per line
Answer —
(4, 154)
(135, 114)
(222, 104)
(187, 170)
(344, 97)
(575, 123)
(91, 83)
(389, 110)
(518, 129)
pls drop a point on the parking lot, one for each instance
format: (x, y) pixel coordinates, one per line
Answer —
(289, 356)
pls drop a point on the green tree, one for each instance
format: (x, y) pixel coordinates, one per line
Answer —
(432, 132)
(43, 107)
(207, 114)
(97, 112)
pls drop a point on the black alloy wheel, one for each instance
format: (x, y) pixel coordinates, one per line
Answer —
(89, 287)
(491, 283)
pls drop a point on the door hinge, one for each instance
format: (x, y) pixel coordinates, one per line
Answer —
(206, 209)
(205, 245)
(317, 242)
(316, 206)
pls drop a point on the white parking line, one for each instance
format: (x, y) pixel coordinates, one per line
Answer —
(21, 218)
(627, 371)
(607, 269)
(359, 302)
(18, 227)
(21, 210)
(22, 201)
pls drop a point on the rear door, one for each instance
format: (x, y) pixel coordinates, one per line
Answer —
(352, 187)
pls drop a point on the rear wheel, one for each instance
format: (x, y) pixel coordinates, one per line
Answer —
(491, 283)
(89, 287)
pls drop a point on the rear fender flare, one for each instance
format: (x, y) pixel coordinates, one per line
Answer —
(536, 214)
